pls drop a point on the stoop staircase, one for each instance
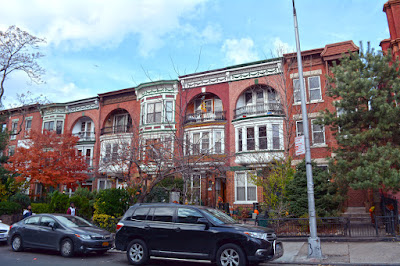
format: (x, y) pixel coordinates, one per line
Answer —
(356, 212)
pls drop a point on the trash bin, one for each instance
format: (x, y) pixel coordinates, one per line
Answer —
(262, 222)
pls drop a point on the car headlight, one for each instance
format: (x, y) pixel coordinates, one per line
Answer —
(84, 236)
(257, 235)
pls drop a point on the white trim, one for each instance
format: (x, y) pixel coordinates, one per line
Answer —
(307, 73)
(246, 186)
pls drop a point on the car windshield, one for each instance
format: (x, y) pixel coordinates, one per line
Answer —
(218, 217)
(73, 221)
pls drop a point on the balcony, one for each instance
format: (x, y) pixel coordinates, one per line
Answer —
(85, 136)
(116, 129)
(200, 117)
(259, 109)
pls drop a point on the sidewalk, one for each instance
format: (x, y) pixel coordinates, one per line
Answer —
(343, 253)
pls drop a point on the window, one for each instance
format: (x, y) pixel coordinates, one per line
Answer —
(49, 125)
(104, 184)
(121, 123)
(47, 221)
(296, 90)
(11, 150)
(208, 106)
(34, 220)
(205, 142)
(188, 216)
(246, 190)
(218, 142)
(318, 133)
(3, 127)
(168, 111)
(107, 155)
(59, 127)
(240, 140)
(14, 129)
(194, 187)
(314, 88)
(272, 96)
(250, 139)
(140, 214)
(248, 98)
(114, 153)
(276, 143)
(299, 128)
(28, 126)
(163, 214)
(154, 112)
(262, 138)
(196, 143)
(260, 96)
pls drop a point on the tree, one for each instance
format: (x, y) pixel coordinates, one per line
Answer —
(366, 120)
(17, 54)
(274, 179)
(327, 195)
(49, 159)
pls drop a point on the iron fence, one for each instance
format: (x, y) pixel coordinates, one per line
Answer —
(354, 227)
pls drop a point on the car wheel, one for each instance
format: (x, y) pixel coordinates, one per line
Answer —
(16, 243)
(137, 252)
(230, 255)
(67, 248)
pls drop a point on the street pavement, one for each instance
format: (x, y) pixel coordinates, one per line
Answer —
(343, 253)
(295, 253)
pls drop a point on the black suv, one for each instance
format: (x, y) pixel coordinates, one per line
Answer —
(192, 232)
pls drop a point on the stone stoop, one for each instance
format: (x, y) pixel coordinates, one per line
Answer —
(356, 212)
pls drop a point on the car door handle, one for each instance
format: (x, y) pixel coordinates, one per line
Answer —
(177, 229)
(147, 227)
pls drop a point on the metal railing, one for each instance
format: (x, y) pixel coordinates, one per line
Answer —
(348, 227)
(116, 129)
(259, 109)
(199, 117)
(85, 136)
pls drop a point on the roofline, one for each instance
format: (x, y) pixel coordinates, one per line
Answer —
(231, 67)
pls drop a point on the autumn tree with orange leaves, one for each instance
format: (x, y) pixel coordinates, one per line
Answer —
(50, 159)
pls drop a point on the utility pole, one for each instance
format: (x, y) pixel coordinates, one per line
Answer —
(314, 244)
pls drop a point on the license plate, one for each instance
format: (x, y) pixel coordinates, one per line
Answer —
(105, 244)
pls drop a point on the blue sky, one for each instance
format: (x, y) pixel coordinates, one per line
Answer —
(95, 46)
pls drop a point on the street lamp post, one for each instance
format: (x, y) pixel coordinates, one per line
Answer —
(314, 244)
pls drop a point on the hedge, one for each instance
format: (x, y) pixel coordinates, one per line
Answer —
(7, 207)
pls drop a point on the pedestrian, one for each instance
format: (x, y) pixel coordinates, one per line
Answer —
(27, 212)
(71, 210)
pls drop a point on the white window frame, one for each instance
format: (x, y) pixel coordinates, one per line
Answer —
(14, 129)
(323, 133)
(212, 137)
(11, 150)
(55, 121)
(318, 88)
(191, 187)
(298, 91)
(107, 183)
(297, 128)
(28, 130)
(168, 111)
(246, 183)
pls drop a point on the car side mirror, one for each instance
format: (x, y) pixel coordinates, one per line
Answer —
(52, 225)
(204, 221)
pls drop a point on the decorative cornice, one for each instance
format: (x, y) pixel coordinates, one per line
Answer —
(232, 74)
(86, 104)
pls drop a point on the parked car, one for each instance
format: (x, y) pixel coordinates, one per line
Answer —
(65, 233)
(3, 231)
(192, 232)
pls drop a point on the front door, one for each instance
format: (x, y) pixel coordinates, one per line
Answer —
(48, 236)
(160, 228)
(192, 237)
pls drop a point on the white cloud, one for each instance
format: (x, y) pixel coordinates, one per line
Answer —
(239, 51)
(280, 47)
(79, 24)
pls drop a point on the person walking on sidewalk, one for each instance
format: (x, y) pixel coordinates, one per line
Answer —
(71, 210)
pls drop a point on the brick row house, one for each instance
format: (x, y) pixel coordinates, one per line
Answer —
(225, 124)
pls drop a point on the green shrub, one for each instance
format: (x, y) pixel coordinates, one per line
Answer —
(59, 203)
(7, 207)
(84, 192)
(113, 202)
(82, 204)
(105, 221)
(21, 198)
(40, 208)
(327, 198)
